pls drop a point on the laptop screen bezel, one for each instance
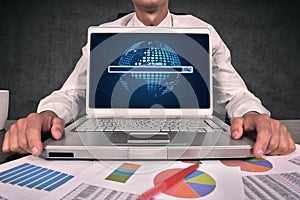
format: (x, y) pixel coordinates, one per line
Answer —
(140, 112)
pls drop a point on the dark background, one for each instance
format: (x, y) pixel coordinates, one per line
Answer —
(41, 41)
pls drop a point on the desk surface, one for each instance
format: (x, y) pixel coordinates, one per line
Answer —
(292, 125)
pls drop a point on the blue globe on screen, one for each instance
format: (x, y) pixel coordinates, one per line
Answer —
(154, 54)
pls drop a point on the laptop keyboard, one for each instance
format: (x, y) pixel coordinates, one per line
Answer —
(151, 125)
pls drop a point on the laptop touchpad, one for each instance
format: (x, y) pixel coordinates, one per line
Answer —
(148, 138)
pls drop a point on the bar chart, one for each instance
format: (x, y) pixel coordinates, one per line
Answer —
(34, 177)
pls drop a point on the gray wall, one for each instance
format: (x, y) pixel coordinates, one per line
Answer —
(41, 41)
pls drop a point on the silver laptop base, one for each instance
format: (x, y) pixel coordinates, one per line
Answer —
(140, 146)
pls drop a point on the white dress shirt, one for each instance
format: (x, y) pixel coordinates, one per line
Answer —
(69, 101)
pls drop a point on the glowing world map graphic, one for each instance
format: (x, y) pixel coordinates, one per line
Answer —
(152, 54)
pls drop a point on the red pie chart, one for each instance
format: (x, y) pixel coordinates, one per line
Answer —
(196, 185)
(250, 165)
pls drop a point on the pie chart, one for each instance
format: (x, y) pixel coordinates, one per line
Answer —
(196, 185)
(250, 165)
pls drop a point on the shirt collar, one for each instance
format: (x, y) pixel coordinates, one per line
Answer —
(167, 22)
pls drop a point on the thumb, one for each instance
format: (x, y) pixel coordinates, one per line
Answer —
(57, 128)
(236, 127)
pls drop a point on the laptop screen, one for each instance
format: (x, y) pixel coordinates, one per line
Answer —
(149, 70)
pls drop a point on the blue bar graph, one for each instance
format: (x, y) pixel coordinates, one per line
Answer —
(51, 181)
(42, 180)
(35, 177)
(59, 183)
(26, 175)
(14, 173)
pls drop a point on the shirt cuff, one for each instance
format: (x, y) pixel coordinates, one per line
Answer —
(242, 110)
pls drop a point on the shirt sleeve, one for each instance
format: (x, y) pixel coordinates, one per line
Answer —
(229, 86)
(69, 102)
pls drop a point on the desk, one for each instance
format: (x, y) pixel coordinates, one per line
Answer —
(100, 175)
(293, 126)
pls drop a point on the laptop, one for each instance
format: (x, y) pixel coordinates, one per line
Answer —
(149, 96)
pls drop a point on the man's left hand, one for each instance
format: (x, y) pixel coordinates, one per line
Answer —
(273, 138)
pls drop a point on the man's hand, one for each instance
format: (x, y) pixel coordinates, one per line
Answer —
(24, 136)
(273, 138)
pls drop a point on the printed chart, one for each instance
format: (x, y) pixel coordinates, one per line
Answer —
(87, 191)
(250, 165)
(273, 186)
(296, 160)
(34, 177)
(123, 173)
(198, 184)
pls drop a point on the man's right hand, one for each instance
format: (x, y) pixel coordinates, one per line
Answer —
(24, 136)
